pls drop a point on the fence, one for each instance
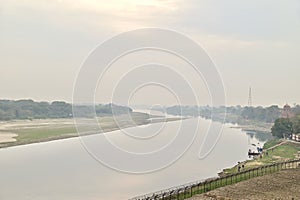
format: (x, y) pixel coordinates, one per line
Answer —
(188, 190)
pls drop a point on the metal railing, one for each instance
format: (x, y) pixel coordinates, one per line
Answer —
(199, 187)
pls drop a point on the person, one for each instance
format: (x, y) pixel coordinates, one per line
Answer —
(239, 168)
(243, 167)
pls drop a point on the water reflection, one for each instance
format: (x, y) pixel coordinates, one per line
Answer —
(64, 170)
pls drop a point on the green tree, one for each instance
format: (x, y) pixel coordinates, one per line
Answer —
(282, 127)
(296, 123)
(28, 109)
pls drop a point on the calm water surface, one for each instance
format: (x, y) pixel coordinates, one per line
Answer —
(63, 170)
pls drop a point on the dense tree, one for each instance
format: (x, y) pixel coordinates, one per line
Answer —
(296, 109)
(268, 114)
(28, 109)
(296, 123)
(234, 114)
(282, 128)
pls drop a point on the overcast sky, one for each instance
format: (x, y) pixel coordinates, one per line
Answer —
(253, 42)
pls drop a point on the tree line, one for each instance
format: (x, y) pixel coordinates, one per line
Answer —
(232, 114)
(285, 127)
(29, 109)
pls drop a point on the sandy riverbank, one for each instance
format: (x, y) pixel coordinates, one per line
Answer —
(7, 137)
(20, 132)
(264, 128)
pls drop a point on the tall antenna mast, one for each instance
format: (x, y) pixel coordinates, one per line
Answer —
(250, 97)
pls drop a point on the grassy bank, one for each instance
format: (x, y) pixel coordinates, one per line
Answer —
(283, 184)
(53, 129)
(266, 173)
(274, 151)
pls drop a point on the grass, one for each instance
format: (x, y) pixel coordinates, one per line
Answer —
(224, 181)
(271, 143)
(38, 133)
(206, 186)
(46, 130)
(284, 152)
(268, 164)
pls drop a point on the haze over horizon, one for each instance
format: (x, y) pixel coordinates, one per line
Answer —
(254, 43)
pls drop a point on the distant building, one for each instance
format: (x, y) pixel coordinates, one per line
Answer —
(296, 137)
(287, 111)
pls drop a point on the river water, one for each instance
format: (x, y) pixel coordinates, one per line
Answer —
(63, 169)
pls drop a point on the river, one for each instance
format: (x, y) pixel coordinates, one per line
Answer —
(64, 170)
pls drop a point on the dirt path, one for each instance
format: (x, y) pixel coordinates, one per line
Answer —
(283, 185)
(273, 147)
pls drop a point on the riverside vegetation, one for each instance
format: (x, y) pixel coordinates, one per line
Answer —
(258, 119)
(26, 121)
(275, 151)
(29, 109)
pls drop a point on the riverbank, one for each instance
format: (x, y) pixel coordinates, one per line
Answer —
(280, 185)
(249, 125)
(274, 151)
(21, 132)
(7, 137)
(255, 127)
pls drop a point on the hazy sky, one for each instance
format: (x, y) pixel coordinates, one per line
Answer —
(43, 43)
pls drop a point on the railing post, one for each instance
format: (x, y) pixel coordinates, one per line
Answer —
(202, 187)
(271, 168)
(170, 194)
(266, 170)
(235, 176)
(285, 165)
(198, 189)
(293, 163)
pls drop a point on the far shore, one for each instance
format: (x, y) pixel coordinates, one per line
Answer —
(21, 132)
(265, 128)
(7, 137)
